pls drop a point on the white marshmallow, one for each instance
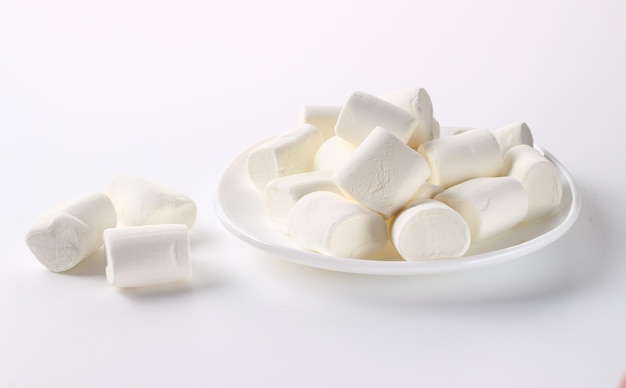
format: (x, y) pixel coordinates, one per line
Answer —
(322, 117)
(489, 205)
(363, 112)
(332, 153)
(426, 191)
(540, 178)
(142, 202)
(283, 192)
(418, 103)
(148, 255)
(67, 234)
(328, 223)
(454, 159)
(430, 230)
(383, 173)
(512, 135)
(292, 152)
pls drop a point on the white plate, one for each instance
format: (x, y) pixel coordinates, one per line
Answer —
(241, 208)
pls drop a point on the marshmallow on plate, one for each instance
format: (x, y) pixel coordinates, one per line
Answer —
(512, 135)
(489, 205)
(283, 192)
(454, 159)
(332, 153)
(328, 223)
(67, 234)
(322, 117)
(430, 230)
(148, 255)
(540, 178)
(383, 173)
(292, 152)
(363, 112)
(418, 103)
(142, 202)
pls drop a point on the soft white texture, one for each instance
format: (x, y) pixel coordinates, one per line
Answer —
(364, 112)
(142, 202)
(467, 155)
(512, 135)
(426, 191)
(283, 192)
(332, 153)
(148, 255)
(329, 223)
(489, 205)
(540, 178)
(321, 116)
(383, 173)
(64, 236)
(292, 152)
(430, 230)
(418, 103)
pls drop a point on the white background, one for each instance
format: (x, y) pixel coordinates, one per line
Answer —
(174, 91)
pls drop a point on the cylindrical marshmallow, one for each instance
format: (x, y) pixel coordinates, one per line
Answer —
(283, 192)
(363, 112)
(328, 223)
(512, 135)
(332, 153)
(322, 117)
(430, 230)
(383, 173)
(489, 205)
(540, 178)
(149, 255)
(142, 202)
(292, 152)
(418, 103)
(457, 158)
(67, 234)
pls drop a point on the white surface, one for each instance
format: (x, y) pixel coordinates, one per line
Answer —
(89, 90)
(242, 209)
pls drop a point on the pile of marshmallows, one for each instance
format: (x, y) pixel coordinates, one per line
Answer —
(350, 178)
(143, 225)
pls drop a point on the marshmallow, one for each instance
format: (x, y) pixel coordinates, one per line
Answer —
(418, 103)
(489, 205)
(363, 112)
(283, 192)
(426, 191)
(67, 234)
(322, 117)
(512, 135)
(141, 202)
(332, 153)
(454, 159)
(539, 177)
(148, 255)
(383, 173)
(292, 152)
(430, 230)
(328, 223)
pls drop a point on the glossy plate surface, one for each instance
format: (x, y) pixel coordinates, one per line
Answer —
(241, 208)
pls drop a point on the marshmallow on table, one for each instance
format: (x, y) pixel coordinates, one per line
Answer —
(470, 154)
(67, 234)
(148, 255)
(283, 192)
(322, 117)
(292, 152)
(363, 112)
(489, 205)
(383, 173)
(430, 230)
(540, 178)
(418, 103)
(332, 153)
(142, 202)
(512, 135)
(329, 223)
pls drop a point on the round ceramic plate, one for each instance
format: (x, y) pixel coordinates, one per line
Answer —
(241, 208)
